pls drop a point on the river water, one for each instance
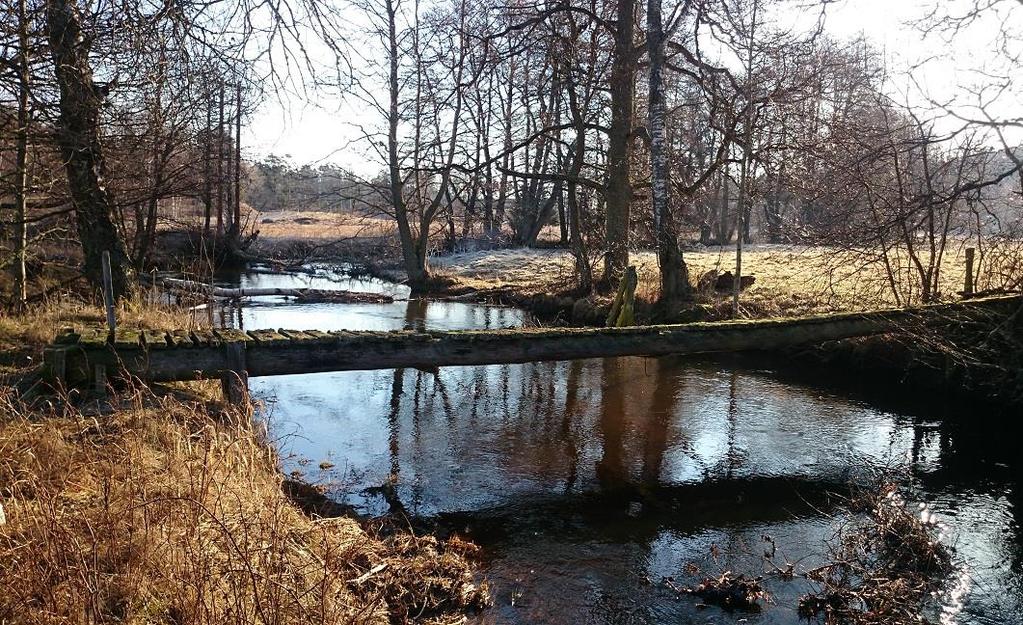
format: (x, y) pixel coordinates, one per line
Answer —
(587, 483)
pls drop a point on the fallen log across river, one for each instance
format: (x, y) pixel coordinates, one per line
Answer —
(85, 356)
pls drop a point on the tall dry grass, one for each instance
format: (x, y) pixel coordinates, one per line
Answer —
(166, 508)
(160, 510)
(39, 323)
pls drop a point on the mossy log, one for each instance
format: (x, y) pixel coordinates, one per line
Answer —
(269, 352)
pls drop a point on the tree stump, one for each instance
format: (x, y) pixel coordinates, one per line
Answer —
(623, 309)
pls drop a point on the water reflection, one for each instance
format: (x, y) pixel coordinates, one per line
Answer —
(585, 480)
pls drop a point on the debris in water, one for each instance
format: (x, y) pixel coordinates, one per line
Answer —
(728, 591)
(886, 567)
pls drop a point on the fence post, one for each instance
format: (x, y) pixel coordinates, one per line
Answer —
(108, 294)
(968, 282)
(235, 380)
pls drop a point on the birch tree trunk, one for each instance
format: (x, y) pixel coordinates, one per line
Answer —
(21, 158)
(674, 274)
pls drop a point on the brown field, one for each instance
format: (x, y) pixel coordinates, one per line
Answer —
(320, 226)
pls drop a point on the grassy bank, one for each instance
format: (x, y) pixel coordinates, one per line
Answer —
(165, 507)
(790, 280)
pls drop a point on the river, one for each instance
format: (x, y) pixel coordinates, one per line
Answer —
(587, 483)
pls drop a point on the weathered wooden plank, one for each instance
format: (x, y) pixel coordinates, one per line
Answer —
(265, 338)
(94, 337)
(324, 337)
(181, 338)
(127, 338)
(67, 336)
(155, 339)
(297, 335)
(232, 335)
(205, 337)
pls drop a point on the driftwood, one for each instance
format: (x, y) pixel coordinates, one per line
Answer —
(722, 282)
(312, 295)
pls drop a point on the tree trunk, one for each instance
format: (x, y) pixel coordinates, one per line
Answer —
(562, 224)
(207, 196)
(578, 155)
(742, 211)
(582, 261)
(220, 163)
(674, 273)
(507, 159)
(79, 141)
(543, 216)
(21, 166)
(415, 265)
(618, 193)
(236, 227)
(724, 228)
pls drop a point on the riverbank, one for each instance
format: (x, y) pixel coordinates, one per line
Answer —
(164, 506)
(966, 358)
(171, 506)
(789, 280)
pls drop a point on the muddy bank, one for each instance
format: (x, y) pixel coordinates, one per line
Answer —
(974, 357)
(900, 362)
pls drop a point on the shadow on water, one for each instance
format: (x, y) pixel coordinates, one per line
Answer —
(587, 482)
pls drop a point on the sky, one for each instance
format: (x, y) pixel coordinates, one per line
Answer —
(325, 132)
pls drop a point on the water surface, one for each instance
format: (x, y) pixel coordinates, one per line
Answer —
(589, 482)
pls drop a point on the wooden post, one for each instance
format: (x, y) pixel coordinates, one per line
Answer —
(100, 380)
(968, 283)
(58, 366)
(55, 365)
(238, 161)
(108, 294)
(235, 381)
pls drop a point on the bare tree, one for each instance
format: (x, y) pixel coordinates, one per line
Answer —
(79, 139)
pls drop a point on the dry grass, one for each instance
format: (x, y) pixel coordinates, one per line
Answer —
(789, 280)
(321, 226)
(163, 512)
(166, 509)
(23, 334)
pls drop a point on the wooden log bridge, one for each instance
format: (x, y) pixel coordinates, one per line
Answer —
(83, 357)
